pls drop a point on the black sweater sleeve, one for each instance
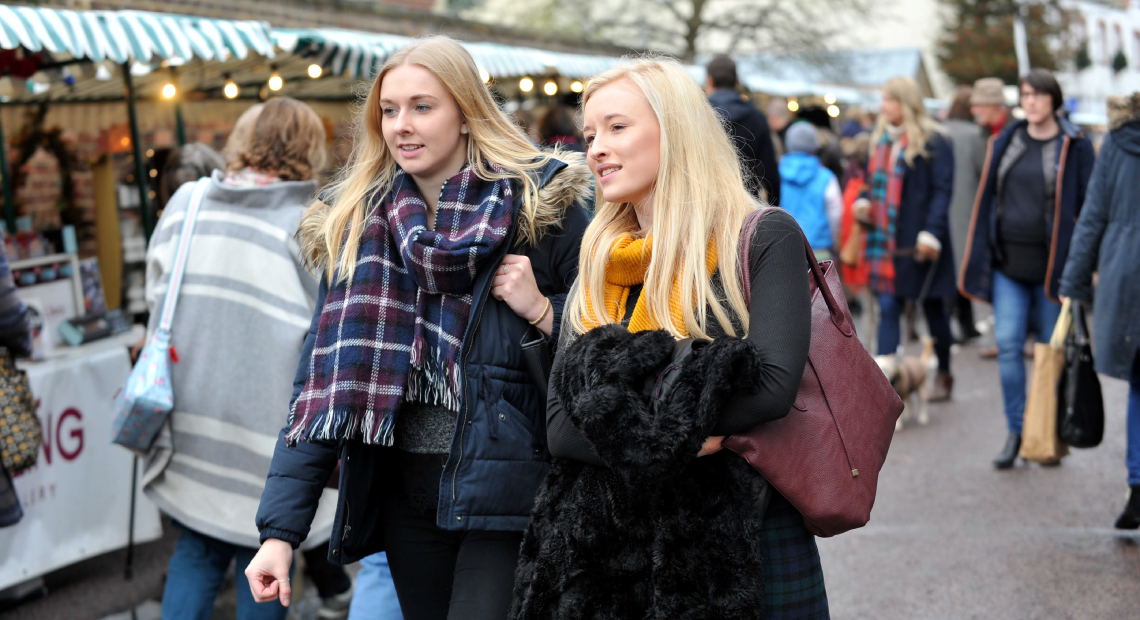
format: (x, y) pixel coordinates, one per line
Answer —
(780, 327)
(779, 324)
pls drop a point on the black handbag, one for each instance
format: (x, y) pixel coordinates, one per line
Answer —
(536, 355)
(1080, 419)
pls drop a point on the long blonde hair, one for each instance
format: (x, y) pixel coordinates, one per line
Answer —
(699, 195)
(917, 124)
(331, 230)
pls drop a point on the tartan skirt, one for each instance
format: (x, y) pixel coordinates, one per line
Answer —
(793, 575)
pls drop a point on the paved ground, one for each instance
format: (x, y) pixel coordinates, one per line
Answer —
(952, 538)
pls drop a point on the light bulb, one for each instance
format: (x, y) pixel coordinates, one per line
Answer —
(833, 111)
(231, 90)
(829, 98)
(275, 82)
(526, 84)
(576, 86)
(483, 75)
(793, 106)
(314, 71)
(550, 88)
(169, 91)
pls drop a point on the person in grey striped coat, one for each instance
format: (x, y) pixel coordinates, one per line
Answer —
(242, 317)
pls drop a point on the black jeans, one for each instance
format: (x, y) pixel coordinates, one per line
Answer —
(446, 575)
(330, 579)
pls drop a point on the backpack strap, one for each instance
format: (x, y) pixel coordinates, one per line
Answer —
(178, 269)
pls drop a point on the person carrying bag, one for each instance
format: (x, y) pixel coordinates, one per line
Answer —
(1039, 441)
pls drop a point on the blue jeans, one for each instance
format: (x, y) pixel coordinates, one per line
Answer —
(890, 316)
(196, 573)
(1133, 458)
(1018, 308)
(375, 595)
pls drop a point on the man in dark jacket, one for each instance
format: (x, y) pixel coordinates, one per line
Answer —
(748, 127)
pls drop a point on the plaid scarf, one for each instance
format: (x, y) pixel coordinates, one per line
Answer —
(394, 333)
(885, 196)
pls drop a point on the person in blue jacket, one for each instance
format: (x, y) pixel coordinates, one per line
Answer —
(1105, 242)
(448, 236)
(1035, 177)
(809, 191)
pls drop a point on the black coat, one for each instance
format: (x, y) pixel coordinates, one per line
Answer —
(659, 533)
(498, 453)
(752, 137)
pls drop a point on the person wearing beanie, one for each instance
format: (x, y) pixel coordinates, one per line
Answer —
(809, 191)
(987, 104)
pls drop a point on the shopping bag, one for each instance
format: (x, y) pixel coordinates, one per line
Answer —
(1039, 440)
(1081, 420)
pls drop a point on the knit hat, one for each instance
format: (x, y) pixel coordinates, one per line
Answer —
(987, 91)
(801, 138)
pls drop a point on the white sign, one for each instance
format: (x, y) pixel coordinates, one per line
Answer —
(77, 498)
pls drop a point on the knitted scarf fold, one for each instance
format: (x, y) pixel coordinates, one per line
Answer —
(885, 197)
(394, 333)
(628, 263)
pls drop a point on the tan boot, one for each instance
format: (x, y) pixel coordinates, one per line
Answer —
(943, 385)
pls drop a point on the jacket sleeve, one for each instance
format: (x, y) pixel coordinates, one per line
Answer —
(1086, 160)
(1084, 249)
(564, 257)
(942, 187)
(297, 476)
(15, 332)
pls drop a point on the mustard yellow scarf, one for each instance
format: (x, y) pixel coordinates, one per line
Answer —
(629, 260)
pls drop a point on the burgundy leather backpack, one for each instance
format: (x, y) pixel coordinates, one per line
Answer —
(825, 455)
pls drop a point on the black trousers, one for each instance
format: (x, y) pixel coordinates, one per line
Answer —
(446, 575)
(330, 579)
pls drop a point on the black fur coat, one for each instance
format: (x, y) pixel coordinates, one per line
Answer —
(660, 533)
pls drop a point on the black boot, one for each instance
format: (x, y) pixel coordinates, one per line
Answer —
(1130, 518)
(1008, 454)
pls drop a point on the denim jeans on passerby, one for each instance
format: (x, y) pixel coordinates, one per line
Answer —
(375, 594)
(196, 573)
(1133, 458)
(1018, 309)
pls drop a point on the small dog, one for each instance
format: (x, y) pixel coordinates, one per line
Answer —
(909, 376)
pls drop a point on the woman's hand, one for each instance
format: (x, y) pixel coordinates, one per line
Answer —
(268, 572)
(712, 445)
(514, 284)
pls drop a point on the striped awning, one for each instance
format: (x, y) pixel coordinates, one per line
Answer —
(359, 55)
(119, 36)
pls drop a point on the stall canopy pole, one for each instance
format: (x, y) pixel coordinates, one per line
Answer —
(136, 147)
(179, 126)
(9, 202)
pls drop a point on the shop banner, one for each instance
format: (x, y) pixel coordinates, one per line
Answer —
(77, 498)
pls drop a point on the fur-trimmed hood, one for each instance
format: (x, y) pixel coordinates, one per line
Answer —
(1123, 110)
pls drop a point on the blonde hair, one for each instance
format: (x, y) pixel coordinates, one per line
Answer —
(699, 195)
(288, 141)
(331, 233)
(917, 124)
(239, 136)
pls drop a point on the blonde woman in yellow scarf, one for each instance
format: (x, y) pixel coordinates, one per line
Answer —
(661, 356)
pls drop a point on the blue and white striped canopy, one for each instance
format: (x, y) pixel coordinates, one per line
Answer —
(122, 35)
(359, 55)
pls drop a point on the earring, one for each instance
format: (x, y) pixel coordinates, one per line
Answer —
(463, 131)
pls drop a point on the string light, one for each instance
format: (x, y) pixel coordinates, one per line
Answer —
(829, 98)
(576, 86)
(230, 90)
(275, 82)
(483, 75)
(550, 88)
(793, 105)
(833, 111)
(314, 71)
(526, 84)
(169, 91)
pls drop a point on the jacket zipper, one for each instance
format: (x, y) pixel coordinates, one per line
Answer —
(347, 527)
(463, 386)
